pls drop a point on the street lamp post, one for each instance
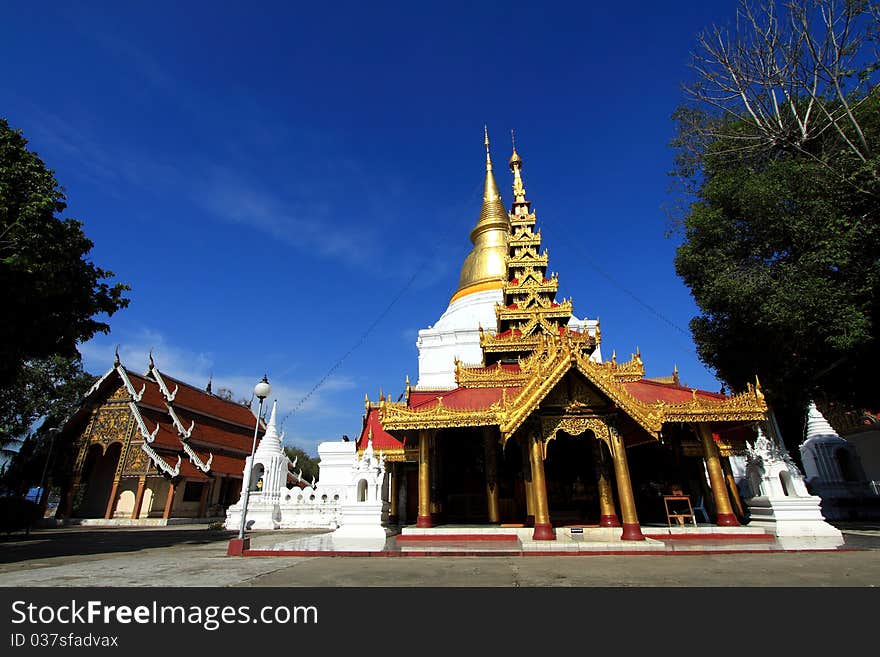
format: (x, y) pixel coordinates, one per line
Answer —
(261, 390)
(236, 547)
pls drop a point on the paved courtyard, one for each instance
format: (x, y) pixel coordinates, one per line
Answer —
(196, 556)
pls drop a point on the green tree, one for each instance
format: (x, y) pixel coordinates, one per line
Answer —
(45, 393)
(781, 225)
(52, 295)
(304, 462)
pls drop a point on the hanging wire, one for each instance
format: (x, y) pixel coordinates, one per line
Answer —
(423, 263)
(573, 244)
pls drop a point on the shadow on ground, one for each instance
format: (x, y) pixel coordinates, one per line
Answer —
(49, 543)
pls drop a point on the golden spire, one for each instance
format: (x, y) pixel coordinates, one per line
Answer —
(484, 266)
(520, 204)
(493, 214)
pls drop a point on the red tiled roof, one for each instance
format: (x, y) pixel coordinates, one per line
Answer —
(222, 428)
(654, 391)
(192, 398)
(381, 438)
(207, 433)
(461, 398)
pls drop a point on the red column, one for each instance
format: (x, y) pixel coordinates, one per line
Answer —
(203, 500)
(169, 502)
(139, 498)
(111, 502)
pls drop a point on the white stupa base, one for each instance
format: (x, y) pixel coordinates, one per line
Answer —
(258, 518)
(360, 520)
(284, 516)
(791, 517)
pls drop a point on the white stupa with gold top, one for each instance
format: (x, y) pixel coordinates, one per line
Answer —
(456, 335)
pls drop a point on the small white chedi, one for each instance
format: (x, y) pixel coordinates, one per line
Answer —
(780, 500)
(833, 469)
(347, 497)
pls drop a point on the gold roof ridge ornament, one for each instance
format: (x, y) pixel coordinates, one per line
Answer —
(484, 268)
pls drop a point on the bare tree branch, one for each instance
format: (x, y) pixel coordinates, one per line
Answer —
(792, 70)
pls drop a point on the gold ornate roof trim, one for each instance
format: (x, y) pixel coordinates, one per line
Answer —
(399, 417)
(494, 376)
(494, 343)
(557, 357)
(534, 391)
(632, 370)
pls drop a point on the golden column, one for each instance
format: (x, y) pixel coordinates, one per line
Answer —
(724, 512)
(424, 519)
(732, 488)
(491, 451)
(393, 517)
(607, 514)
(543, 528)
(632, 531)
(436, 467)
(527, 482)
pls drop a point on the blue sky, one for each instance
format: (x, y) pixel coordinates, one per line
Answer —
(270, 177)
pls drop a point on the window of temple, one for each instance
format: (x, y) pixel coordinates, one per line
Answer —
(192, 492)
(362, 491)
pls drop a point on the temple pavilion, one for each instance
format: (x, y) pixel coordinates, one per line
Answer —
(517, 420)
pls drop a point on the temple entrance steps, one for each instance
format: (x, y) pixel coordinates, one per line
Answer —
(571, 538)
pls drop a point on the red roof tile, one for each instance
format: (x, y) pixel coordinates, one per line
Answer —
(193, 399)
(461, 398)
(654, 391)
(381, 438)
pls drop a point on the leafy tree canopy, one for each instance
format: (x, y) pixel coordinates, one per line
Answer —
(51, 294)
(778, 156)
(42, 397)
(308, 464)
(783, 258)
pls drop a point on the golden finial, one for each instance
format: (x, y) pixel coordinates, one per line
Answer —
(614, 356)
(366, 401)
(515, 159)
(486, 141)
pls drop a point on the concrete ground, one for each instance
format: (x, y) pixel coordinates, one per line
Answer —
(196, 556)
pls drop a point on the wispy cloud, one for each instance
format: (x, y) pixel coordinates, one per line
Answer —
(308, 222)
